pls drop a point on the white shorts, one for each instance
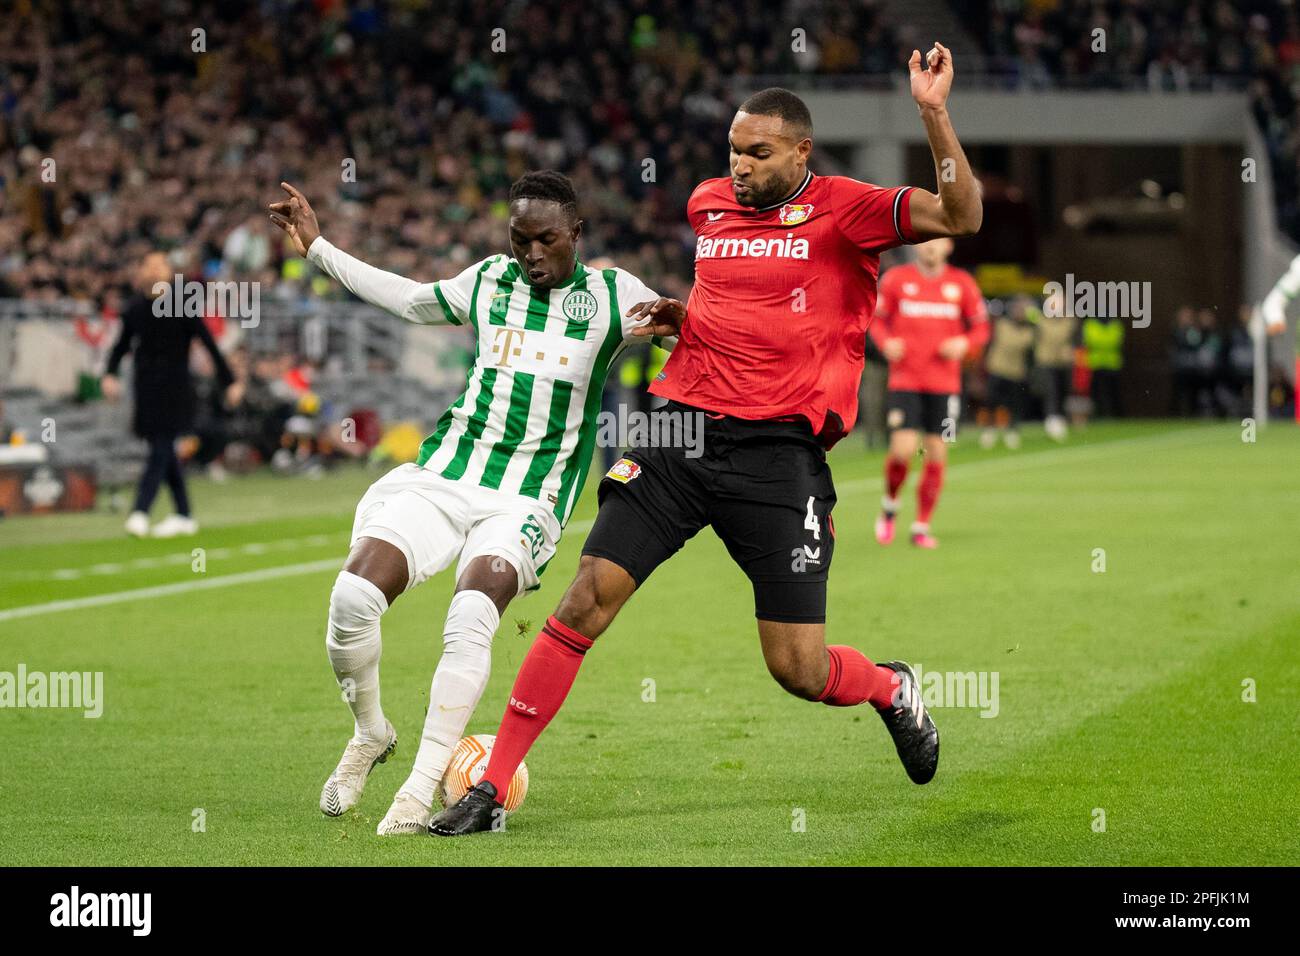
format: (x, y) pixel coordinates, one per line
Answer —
(432, 520)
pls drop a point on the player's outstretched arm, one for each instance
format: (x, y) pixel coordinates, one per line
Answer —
(956, 210)
(403, 297)
(1274, 305)
(660, 318)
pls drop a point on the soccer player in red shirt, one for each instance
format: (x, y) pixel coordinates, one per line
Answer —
(768, 359)
(929, 315)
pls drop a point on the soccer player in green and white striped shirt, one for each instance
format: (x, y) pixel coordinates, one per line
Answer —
(496, 481)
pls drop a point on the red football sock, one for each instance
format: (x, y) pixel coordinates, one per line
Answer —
(854, 680)
(895, 475)
(927, 492)
(544, 680)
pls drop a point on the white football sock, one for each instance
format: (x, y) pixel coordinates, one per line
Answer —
(458, 684)
(352, 640)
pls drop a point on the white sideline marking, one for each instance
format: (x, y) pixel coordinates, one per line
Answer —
(199, 584)
(184, 557)
(164, 590)
(1190, 435)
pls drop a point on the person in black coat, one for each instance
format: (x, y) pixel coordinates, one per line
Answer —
(164, 391)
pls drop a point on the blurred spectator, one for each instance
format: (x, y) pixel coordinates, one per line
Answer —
(1209, 363)
(1183, 361)
(1239, 367)
(1054, 364)
(1007, 361)
(1103, 343)
(163, 391)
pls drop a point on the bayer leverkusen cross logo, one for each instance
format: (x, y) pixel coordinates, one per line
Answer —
(793, 213)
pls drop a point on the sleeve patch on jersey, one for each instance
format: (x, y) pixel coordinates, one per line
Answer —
(624, 470)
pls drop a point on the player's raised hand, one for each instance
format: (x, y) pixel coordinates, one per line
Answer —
(296, 217)
(931, 85)
(660, 317)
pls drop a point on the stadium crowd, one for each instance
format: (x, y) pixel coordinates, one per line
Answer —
(133, 125)
(406, 134)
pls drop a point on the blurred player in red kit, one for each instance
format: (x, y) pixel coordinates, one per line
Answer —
(929, 316)
(769, 359)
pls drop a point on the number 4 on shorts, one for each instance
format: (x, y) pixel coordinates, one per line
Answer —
(811, 523)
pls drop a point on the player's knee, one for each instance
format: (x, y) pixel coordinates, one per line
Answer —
(493, 576)
(936, 450)
(355, 607)
(902, 449)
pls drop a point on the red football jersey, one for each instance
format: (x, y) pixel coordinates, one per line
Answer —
(776, 322)
(923, 311)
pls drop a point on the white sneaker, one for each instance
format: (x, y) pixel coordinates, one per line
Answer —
(1056, 428)
(1011, 440)
(343, 789)
(406, 816)
(988, 438)
(174, 526)
(137, 525)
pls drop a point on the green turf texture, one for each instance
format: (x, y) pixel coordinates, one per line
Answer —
(1119, 691)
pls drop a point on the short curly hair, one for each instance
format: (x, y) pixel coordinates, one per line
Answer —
(547, 184)
(774, 101)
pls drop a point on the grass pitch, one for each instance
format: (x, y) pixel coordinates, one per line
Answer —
(1120, 692)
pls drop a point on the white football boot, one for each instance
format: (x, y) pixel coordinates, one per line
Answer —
(343, 789)
(173, 526)
(406, 816)
(137, 524)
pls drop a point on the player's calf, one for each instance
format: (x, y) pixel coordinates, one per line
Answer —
(598, 592)
(849, 679)
(796, 656)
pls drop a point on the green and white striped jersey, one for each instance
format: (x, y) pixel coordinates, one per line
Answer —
(526, 422)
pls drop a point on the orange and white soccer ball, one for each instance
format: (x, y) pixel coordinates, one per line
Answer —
(468, 764)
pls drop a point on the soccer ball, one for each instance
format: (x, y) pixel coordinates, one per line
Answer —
(468, 764)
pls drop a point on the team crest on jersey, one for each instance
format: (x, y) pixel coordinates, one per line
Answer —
(579, 306)
(793, 213)
(951, 290)
(910, 288)
(624, 470)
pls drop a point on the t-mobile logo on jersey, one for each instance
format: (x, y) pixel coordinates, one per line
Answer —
(512, 344)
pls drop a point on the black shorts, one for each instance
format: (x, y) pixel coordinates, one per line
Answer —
(1007, 393)
(764, 487)
(931, 412)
